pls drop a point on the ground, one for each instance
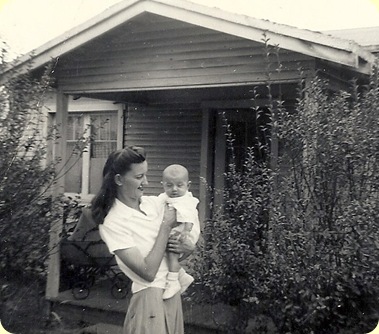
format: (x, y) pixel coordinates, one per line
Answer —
(24, 309)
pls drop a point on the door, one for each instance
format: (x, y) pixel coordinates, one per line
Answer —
(236, 130)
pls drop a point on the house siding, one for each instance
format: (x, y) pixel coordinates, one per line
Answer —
(162, 53)
(169, 134)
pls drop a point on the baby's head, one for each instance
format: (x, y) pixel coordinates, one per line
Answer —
(175, 180)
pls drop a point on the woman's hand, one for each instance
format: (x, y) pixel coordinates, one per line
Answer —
(180, 246)
(169, 216)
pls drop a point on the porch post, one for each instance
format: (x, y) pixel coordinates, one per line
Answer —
(53, 273)
(205, 155)
(274, 149)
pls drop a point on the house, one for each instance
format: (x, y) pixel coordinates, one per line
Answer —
(162, 73)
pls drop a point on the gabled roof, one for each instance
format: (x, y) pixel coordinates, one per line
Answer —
(368, 37)
(307, 42)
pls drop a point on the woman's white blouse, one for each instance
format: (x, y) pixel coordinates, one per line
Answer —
(125, 227)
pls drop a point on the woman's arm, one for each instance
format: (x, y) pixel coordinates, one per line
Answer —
(147, 267)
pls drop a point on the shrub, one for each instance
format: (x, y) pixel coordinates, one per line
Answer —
(26, 206)
(325, 240)
(297, 241)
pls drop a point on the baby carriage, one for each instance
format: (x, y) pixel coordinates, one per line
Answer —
(88, 258)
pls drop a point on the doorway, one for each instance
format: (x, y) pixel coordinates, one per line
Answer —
(237, 129)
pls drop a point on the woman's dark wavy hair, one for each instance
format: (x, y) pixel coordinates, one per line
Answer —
(118, 162)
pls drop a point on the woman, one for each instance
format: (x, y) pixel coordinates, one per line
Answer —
(137, 230)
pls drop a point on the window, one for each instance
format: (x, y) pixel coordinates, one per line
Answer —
(91, 136)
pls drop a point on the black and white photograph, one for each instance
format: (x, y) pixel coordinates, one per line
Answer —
(189, 167)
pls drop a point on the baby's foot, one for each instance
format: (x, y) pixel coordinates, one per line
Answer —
(172, 288)
(185, 281)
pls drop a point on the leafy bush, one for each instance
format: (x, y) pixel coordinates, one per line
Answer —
(26, 206)
(28, 174)
(325, 240)
(298, 241)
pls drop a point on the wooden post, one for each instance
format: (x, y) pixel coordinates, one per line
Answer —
(120, 129)
(204, 211)
(274, 149)
(220, 161)
(53, 273)
(86, 153)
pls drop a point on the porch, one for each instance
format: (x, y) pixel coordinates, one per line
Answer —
(105, 314)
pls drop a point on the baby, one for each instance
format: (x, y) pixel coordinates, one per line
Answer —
(176, 184)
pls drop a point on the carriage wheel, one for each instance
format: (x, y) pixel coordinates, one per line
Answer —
(121, 277)
(80, 290)
(121, 286)
(119, 290)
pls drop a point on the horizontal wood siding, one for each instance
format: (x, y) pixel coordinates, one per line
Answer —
(169, 135)
(154, 52)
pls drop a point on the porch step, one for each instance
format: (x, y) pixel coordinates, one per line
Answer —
(102, 328)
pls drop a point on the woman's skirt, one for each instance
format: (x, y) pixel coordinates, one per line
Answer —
(148, 313)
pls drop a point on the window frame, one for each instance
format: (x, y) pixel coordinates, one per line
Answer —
(88, 107)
